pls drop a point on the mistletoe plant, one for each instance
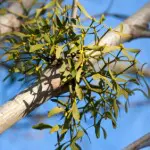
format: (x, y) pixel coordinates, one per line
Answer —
(54, 39)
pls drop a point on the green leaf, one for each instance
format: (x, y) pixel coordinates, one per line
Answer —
(54, 129)
(115, 108)
(120, 79)
(66, 73)
(58, 21)
(41, 126)
(97, 76)
(59, 49)
(75, 111)
(63, 67)
(121, 27)
(74, 147)
(126, 106)
(46, 37)
(84, 11)
(108, 49)
(79, 135)
(109, 115)
(104, 132)
(55, 111)
(74, 49)
(79, 92)
(132, 50)
(78, 74)
(125, 53)
(97, 129)
(38, 11)
(79, 62)
(20, 34)
(102, 19)
(121, 91)
(36, 47)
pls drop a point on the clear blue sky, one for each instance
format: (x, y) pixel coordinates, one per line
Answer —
(130, 126)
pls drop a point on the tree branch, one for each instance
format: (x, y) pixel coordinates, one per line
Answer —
(140, 143)
(74, 9)
(10, 22)
(29, 99)
(135, 26)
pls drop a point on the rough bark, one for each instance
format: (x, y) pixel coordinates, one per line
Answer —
(29, 99)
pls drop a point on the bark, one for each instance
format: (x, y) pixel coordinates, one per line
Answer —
(10, 22)
(142, 142)
(29, 99)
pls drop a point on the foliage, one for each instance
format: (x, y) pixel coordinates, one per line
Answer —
(54, 39)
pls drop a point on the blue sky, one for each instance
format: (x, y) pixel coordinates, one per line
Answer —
(130, 126)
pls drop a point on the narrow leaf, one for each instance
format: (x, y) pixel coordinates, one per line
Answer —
(79, 92)
(54, 129)
(41, 126)
(36, 47)
(78, 74)
(75, 111)
(84, 11)
(55, 111)
(115, 108)
(59, 49)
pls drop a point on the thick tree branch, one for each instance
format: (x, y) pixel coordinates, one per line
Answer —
(10, 22)
(134, 27)
(140, 143)
(29, 99)
(74, 9)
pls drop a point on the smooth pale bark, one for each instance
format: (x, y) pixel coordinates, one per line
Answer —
(10, 22)
(140, 143)
(26, 101)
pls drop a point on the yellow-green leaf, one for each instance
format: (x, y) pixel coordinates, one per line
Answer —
(121, 91)
(120, 80)
(102, 19)
(125, 53)
(132, 50)
(55, 111)
(79, 134)
(63, 67)
(97, 76)
(20, 34)
(36, 47)
(79, 92)
(46, 37)
(64, 131)
(59, 49)
(38, 11)
(122, 34)
(115, 108)
(75, 111)
(54, 129)
(78, 74)
(121, 27)
(79, 62)
(108, 49)
(84, 11)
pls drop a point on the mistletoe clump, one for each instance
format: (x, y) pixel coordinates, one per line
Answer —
(54, 39)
